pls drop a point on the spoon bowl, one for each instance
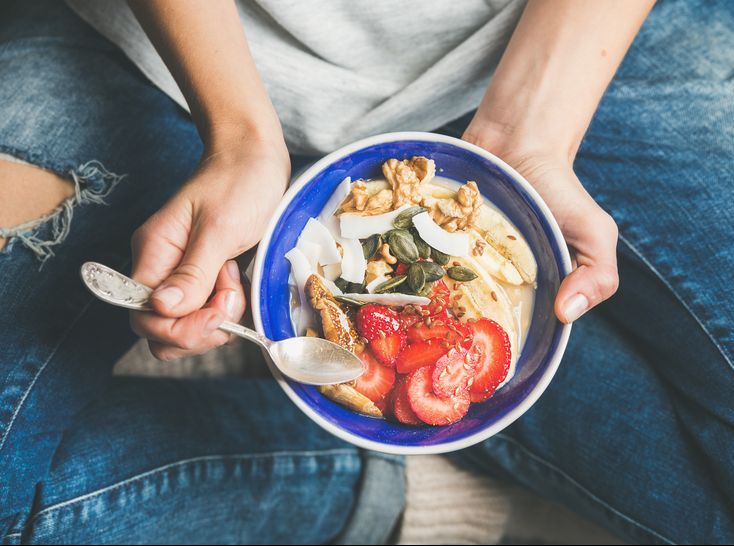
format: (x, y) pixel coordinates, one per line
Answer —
(309, 360)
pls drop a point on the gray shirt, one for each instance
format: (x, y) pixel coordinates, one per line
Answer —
(338, 71)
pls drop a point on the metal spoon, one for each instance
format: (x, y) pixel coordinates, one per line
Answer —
(310, 360)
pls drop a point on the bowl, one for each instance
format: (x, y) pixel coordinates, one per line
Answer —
(503, 186)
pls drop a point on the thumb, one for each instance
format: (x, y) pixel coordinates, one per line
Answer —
(189, 286)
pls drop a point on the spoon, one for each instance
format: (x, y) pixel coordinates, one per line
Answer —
(310, 360)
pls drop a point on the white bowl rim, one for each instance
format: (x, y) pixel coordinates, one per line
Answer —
(345, 435)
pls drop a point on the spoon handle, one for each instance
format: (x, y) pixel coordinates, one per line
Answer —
(246, 333)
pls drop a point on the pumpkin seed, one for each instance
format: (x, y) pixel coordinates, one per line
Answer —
(426, 291)
(342, 285)
(355, 288)
(404, 220)
(432, 270)
(402, 246)
(389, 284)
(424, 249)
(439, 257)
(416, 277)
(370, 246)
(349, 301)
(461, 274)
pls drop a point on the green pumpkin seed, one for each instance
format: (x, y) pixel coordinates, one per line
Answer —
(342, 285)
(404, 220)
(390, 284)
(402, 246)
(370, 246)
(432, 270)
(461, 274)
(424, 249)
(439, 257)
(426, 290)
(355, 288)
(349, 301)
(416, 277)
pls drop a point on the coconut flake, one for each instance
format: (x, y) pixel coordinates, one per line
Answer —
(316, 233)
(390, 299)
(327, 216)
(311, 251)
(333, 288)
(453, 244)
(354, 266)
(359, 226)
(375, 283)
(332, 271)
(300, 271)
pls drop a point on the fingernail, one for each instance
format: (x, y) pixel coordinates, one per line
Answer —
(212, 324)
(170, 296)
(233, 270)
(231, 303)
(575, 307)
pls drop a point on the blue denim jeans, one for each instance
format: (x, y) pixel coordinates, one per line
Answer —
(636, 431)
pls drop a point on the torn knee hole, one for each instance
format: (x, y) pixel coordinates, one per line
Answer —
(31, 197)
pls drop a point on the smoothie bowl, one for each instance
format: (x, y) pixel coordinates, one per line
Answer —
(438, 265)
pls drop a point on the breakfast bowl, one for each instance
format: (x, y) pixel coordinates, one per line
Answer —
(545, 338)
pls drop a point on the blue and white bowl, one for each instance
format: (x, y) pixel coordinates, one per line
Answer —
(512, 194)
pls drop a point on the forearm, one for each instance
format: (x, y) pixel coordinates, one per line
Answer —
(204, 46)
(561, 58)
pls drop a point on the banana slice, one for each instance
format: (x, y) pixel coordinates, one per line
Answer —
(507, 241)
(492, 261)
(485, 297)
(347, 396)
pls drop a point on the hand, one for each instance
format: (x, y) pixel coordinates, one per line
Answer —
(589, 231)
(186, 249)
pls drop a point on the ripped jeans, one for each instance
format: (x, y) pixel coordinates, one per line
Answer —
(636, 431)
(90, 458)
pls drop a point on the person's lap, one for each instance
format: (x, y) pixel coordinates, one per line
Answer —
(637, 428)
(85, 457)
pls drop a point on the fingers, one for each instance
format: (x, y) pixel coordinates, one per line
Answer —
(596, 278)
(189, 286)
(196, 333)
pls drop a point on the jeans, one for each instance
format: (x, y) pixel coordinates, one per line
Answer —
(636, 431)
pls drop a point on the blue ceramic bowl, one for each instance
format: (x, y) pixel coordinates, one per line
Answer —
(505, 188)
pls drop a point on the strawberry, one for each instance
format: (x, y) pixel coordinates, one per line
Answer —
(408, 319)
(448, 330)
(402, 269)
(492, 346)
(428, 407)
(401, 405)
(376, 381)
(439, 296)
(386, 349)
(375, 321)
(384, 404)
(454, 372)
(419, 354)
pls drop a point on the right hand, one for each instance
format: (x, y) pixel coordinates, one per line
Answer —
(185, 251)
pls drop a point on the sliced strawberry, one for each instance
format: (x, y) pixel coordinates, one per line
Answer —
(375, 321)
(439, 306)
(492, 346)
(376, 381)
(428, 407)
(409, 318)
(454, 372)
(419, 354)
(386, 349)
(384, 404)
(401, 409)
(448, 330)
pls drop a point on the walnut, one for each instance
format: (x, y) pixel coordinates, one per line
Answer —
(406, 176)
(377, 269)
(356, 201)
(380, 202)
(459, 212)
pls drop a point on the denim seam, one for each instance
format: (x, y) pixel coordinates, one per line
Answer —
(207, 458)
(23, 398)
(580, 487)
(685, 305)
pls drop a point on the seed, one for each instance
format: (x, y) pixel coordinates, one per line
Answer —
(439, 309)
(370, 246)
(470, 382)
(462, 309)
(439, 257)
(428, 322)
(512, 237)
(457, 297)
(381, 334)
(494, 295)
(457, 392)
(425, 312)
(467, 339)
(461, 274)
(342, 284)
(457, 346)
(467, 356)
(424, 249)
(456, 264)
(349, 301)
(390, 284)
(432, 270)
(460, 314)
(456, 407)
(456, 286)
(404, 220)
(416, 277)
(467, 367)
(402, 245)
(443, 373)
(438, 323)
